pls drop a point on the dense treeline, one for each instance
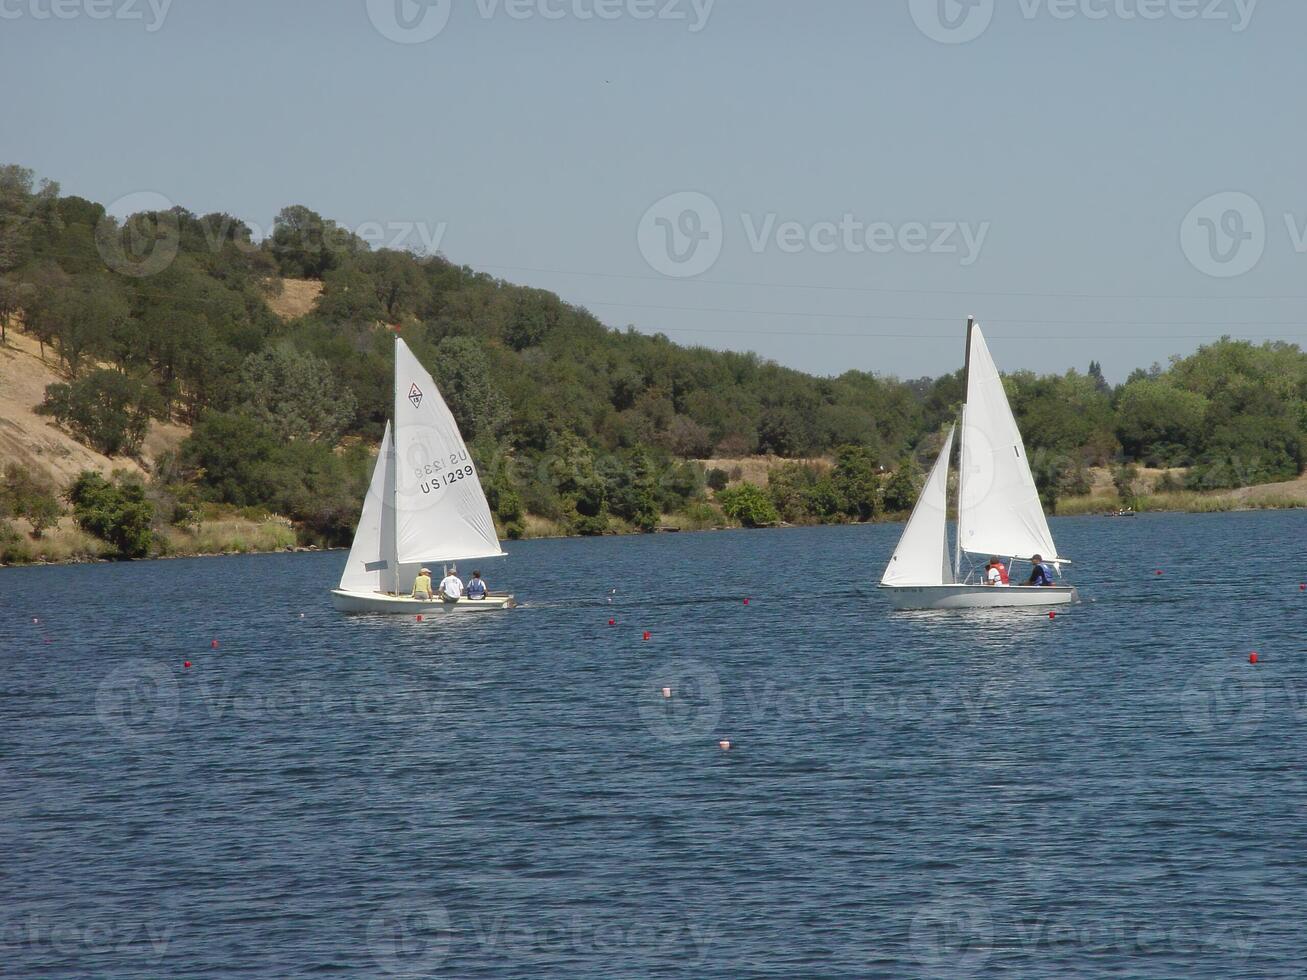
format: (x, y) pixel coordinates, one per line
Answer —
(166, 316)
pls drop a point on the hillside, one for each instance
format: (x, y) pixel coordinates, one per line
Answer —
(35, 442)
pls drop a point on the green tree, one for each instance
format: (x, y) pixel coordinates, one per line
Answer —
(305, 245)
(463, 373)
(748, 504)
(857, 482)
(294, 394)
(902, 489)
(108, 410)
(116, 512)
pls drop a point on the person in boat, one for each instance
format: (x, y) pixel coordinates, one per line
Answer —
(1039, 574)
(422, 585)
(476, 588)
(451, 587)
(996, 573)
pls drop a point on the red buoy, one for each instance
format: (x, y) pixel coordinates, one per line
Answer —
(186, 663)
(1303, 587)
(419, 617)
(1159, 571)
(612, 622)
(647, 634)
(213, 644)
(1052, 615)
(746, 602)
(1252, 658)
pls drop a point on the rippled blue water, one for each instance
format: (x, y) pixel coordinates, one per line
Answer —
(1113, 792)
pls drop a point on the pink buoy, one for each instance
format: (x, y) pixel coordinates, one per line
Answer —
(724, 745)
(667, 692)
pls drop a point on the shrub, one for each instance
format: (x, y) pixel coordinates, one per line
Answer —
(748, 504)
(718, 479)
(25, 496)
(114, 512)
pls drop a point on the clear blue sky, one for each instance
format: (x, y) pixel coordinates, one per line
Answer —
(539, 141)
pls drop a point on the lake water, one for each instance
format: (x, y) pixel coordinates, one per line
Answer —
(1114, 792)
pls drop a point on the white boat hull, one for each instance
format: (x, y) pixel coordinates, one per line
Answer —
(978, 596)
(378, 603)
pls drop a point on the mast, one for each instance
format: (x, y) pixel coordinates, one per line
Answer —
(962, 437)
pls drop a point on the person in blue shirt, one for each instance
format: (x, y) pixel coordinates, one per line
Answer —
(1039, 574)
(476, 589)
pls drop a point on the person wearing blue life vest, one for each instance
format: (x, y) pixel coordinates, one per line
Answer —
(476, 589)
(1039, 574)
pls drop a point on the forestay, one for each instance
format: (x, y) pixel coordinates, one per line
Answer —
(922, 557)
(441, 514)
(999, 512)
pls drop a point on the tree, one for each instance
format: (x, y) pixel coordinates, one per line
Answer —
(25, 496)
(1160, 424)
(115, 512)
(308, 246)
(296, 395)
(108, 410)
(748, 504)
(901, 491)
(857, 482)
(463, 373)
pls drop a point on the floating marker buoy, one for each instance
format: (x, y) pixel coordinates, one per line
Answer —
(213, 644)
(1159, 571)
(724, 745)
(1252, 658)
(746, 602)
(301, 615)
(419, 617)
(647, 634)
(1303, 587)
(1052, 615)
(667, 692)
(35, 620)
(186, 663)
(612, 622)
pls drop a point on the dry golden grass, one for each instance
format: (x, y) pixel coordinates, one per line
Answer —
(297, 298)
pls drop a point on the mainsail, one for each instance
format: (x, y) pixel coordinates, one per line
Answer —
(371, 565)
(921, 557)
(999, 512)
(441, 513)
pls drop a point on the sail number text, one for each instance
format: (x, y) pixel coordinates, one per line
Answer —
(443, 480)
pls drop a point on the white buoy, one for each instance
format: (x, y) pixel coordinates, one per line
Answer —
(667, 692)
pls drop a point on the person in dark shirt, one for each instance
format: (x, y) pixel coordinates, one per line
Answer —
(1039, 574)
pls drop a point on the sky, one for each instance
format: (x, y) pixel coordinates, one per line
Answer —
(834, 184)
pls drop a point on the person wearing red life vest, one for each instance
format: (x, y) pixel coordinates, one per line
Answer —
(996, 573)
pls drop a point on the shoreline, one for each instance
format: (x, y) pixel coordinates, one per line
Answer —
(1217, 504)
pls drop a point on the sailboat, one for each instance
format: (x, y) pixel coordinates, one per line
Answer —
(999, 512)
(425, 507)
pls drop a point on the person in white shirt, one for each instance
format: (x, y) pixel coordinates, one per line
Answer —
(451, 587)
(996, 573)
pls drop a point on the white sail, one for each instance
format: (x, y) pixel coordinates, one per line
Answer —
(441, 514)
(370, 567)
(999, 512)
(921, 557)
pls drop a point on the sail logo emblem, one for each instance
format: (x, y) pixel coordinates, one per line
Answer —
(415, 396)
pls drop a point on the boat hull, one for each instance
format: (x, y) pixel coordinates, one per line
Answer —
(380, 604)
(978, 596)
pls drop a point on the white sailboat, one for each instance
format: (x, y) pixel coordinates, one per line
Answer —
(425, 507)
(999, 512)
